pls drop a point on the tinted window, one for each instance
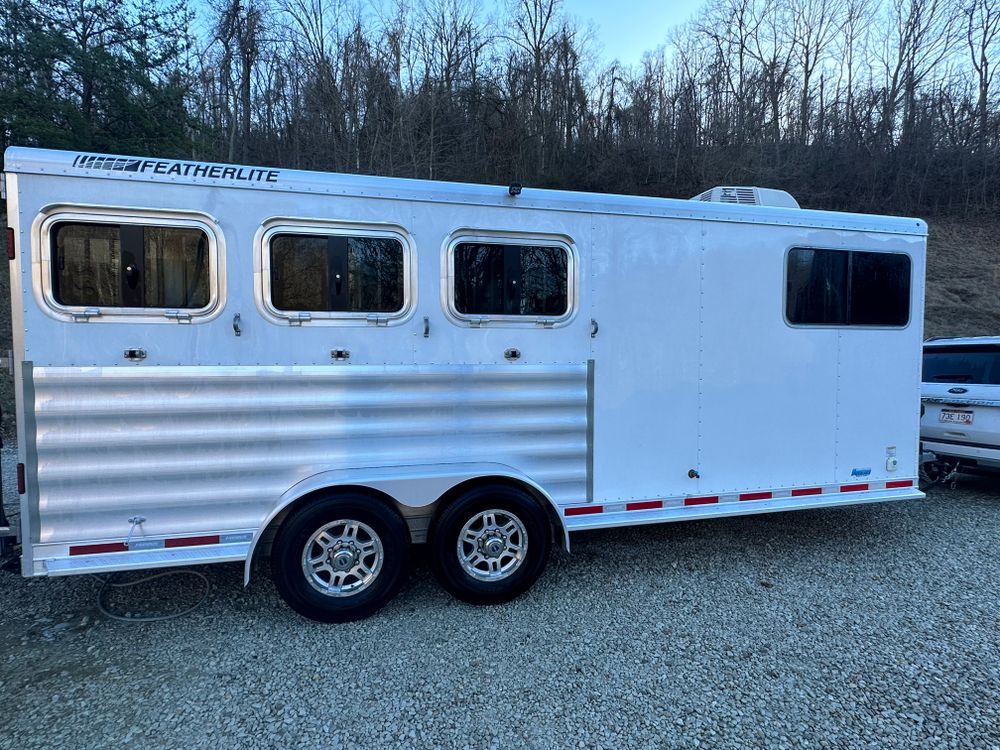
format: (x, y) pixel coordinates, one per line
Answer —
(129, 265)
(336, 273)
(817, 287)
(845, 288)
(880, 289)
(962, 364)
(498, 279)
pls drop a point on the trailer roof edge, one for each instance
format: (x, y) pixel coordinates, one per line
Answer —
(25, 160)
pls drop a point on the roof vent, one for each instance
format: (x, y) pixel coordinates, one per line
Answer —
(748, 196)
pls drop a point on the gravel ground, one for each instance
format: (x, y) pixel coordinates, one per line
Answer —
(872, 627)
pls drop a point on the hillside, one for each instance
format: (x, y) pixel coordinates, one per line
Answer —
(963, 279)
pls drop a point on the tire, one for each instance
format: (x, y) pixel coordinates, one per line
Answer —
(355, 549)
(499, 516)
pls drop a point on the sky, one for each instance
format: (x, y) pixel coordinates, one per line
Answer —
(627, 28)
(622, 29)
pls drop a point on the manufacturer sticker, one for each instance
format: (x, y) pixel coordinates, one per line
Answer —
(175, 168)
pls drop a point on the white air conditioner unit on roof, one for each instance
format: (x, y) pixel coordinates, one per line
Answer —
(748, 196)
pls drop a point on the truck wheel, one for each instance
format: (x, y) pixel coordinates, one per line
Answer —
(491, 544)
(340, 557)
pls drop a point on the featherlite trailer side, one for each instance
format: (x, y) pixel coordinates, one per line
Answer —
(219, 363)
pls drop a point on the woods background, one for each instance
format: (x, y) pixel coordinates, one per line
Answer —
(871, 105)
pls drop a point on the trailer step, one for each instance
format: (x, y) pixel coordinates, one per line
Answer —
(138, 559)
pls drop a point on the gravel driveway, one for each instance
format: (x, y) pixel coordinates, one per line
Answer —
(870, 627)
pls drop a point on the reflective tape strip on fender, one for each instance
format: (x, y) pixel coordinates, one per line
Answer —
(168, 543)
(693, 501)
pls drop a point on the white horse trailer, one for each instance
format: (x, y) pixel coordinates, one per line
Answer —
(219, 363)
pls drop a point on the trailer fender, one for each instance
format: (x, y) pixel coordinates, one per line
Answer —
(418, 486)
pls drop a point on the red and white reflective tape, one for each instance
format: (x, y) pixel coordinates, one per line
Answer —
(136, 545)
(681, 502)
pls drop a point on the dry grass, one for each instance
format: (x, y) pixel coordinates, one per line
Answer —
(963, 278)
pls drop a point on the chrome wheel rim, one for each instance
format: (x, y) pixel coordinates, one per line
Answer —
(342, 558)
(492, 545)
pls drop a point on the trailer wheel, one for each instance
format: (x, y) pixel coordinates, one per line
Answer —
(491, 544)
(340, 557)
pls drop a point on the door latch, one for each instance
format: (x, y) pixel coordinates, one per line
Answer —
(135, 521)
(82, 316)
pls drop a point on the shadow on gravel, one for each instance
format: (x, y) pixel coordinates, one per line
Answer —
(968, 488)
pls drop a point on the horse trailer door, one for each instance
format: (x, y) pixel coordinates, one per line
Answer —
(645, 280)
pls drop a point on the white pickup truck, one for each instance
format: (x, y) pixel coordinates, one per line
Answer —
(960, 421)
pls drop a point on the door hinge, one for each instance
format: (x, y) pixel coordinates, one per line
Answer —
(478, 322)
(82, 316)
(180, 317)
(545, 322)
(7, 362)
(378, 320)
(297, 319)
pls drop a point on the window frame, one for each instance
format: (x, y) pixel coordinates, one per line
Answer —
(498, 237)
(843, 326)
(326, 228)
(50, 216)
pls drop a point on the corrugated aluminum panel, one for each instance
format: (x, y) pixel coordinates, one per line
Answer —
(194, 449)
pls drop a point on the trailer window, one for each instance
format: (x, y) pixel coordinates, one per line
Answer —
(847, 288)
(501, 279)
(336, 273)
(129, 265)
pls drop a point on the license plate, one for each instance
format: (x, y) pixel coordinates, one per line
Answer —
(955, 416)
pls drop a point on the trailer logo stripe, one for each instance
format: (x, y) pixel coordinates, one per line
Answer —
(173, 168)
